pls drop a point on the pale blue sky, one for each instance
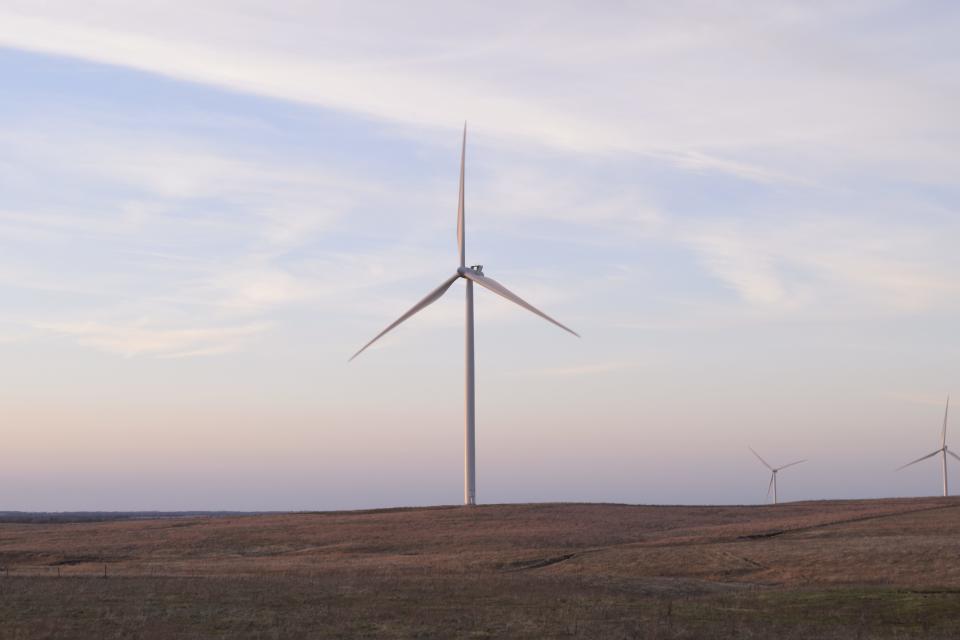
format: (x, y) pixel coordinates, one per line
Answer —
(750, 213)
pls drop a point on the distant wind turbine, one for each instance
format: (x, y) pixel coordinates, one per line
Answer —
(773, 474)
(470, 274)
(942, 450)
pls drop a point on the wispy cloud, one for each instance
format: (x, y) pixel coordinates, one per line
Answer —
(747, 268)
(756, 91)
(166, 170)
(526, 189)
(144, 339)
(832, 264)
(149, 223)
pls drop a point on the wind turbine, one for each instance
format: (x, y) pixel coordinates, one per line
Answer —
(472, 274)
(943, 450)
(773, 474)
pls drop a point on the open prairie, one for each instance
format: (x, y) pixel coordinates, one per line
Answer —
(831, 569)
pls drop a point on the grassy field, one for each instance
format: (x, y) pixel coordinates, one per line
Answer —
(840, 569)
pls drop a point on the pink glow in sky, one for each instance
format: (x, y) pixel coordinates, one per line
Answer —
(750, 214)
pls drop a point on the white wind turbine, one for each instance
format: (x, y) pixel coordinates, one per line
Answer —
(470, 274)
(773, 474)
(942, 450)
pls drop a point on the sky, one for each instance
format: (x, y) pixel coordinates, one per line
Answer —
(749, 211)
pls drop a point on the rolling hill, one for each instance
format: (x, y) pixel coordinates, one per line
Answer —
(826, 569)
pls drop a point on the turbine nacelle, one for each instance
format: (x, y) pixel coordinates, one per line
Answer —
(772, 487)
(472, 274)
(942, 450)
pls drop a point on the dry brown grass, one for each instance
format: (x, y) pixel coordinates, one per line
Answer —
(877, 568)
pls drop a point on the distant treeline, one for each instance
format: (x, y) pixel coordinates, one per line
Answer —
(48, 517)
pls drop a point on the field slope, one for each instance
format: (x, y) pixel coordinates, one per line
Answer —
(830, 569)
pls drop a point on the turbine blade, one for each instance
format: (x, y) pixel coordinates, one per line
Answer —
(953, 454)
(461, 223)
(930, 455)
(760, 459)
(501, 290)
(430, 298)
(770, 487)
(943, 434)
(790, 465)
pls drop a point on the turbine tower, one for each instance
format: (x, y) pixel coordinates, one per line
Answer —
(472, 274)
(773, 474)
(943, 450)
